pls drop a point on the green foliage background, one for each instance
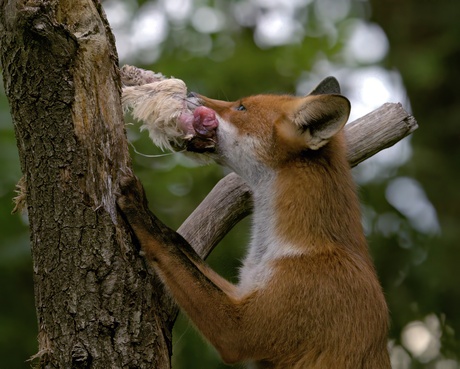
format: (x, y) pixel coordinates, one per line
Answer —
(418, 269)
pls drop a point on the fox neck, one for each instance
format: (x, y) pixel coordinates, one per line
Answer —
(308, 205)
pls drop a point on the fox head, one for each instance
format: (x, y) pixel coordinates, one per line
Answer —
(247, 135)
(268, 130)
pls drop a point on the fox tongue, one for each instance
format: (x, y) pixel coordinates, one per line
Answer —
(205, 122)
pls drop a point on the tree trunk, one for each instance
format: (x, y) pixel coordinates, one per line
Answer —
(98, 305)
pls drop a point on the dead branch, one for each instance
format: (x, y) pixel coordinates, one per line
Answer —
(231, 199)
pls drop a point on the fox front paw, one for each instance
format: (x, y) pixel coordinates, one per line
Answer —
(131, 199)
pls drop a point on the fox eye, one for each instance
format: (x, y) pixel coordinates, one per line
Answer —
(241, 107)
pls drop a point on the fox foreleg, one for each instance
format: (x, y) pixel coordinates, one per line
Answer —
(209, 300)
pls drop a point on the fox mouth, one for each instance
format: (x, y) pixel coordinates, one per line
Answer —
(200, 128)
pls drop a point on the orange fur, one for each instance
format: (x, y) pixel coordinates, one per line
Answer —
(308, 296)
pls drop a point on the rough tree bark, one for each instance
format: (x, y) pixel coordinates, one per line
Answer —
(98, 305)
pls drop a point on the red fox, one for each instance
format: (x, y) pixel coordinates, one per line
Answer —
(308, 296)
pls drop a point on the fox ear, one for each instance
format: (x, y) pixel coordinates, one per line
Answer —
(328, 85)
(320, 117)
